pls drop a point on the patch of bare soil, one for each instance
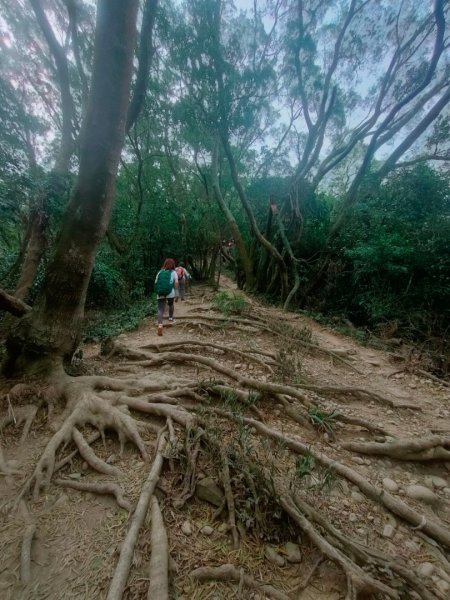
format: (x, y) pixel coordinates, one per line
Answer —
(250, 456)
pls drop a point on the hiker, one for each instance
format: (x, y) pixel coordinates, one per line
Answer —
(183, 277)
(166, 283)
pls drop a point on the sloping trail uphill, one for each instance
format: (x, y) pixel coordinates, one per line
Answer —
(249, 456)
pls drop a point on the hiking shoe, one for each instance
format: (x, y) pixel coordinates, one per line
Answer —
(171, 321)
(160, 329)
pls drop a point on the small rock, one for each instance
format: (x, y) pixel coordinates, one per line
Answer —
(75, 476)
(237, 366)
(112, 458)
(390, 485)
(357, 497)
(326, 437)
(62, 501)
(446, 491)
(361, 531)
(84, 466)
(422, 493)
(438, 482)
(425, 569)
(352, 518)
(272, 555)
(358, 460)
(13, 464)
(443, 586)
(413, 386)
(388, 531)
(222, 527)
(292, 551)
(276, 412)
(207, 530)
(208, 490)
(186, 528)
(428, 482)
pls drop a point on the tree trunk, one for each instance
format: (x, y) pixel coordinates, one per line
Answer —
(51, 331)
(246, 262)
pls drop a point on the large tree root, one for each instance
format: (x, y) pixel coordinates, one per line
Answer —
(98, 488)
(90, 457)
(183, 344)
(154, 360)
(425, 449)
(364, 554)
(96, 411)
(229, 572)
(22, 414)
(159, 560)
(122, 570)
(358, 581)
(25, 555)
(436, 530)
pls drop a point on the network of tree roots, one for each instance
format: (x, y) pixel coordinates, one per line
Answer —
(228, 398)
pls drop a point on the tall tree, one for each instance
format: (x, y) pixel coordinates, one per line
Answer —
(51, 330)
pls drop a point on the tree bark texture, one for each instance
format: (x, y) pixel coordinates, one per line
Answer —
(53, 327)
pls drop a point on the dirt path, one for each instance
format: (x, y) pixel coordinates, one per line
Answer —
(79, 535)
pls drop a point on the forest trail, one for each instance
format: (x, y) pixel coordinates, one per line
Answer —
(79, 535)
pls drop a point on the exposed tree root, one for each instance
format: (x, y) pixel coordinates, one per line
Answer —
(433, 529)
(90, 457)
(364, 554)
(192, 448)
(358, 581)
(229, 498)
(25, 555)
(229, 572)
(98, 488)
(105, 402)
(425, 449)
(122, 570)
(351, 420)
(183, 344)
(98, 412)
(159, 560)
(4, 468)
(22, 414)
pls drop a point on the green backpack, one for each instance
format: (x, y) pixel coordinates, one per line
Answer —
(164, 284)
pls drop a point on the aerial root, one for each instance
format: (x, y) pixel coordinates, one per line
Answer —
(159, 560)
(358, 581)
(229, 572)
(110, 488)
(425, 449)
(25, 555)
(90, 457)
(122, 570)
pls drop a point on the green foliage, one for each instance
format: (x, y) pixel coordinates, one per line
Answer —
(304, 466)
(102, 324)
(323, 421)
(230, 303)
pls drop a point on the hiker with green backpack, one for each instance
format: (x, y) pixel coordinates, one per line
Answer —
(166, 283)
